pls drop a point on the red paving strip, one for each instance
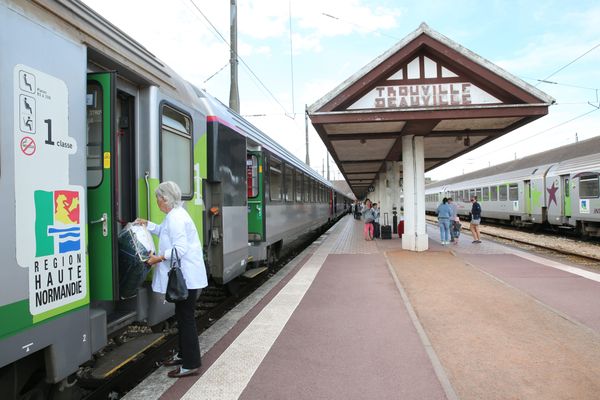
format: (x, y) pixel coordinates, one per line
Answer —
(182, 385)
(350, 338)
(573, 295)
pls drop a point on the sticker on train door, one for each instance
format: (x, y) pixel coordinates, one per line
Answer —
(516, 205)
(49, 211)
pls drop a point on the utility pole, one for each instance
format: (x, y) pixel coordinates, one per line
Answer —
(307, 161)
(234, 94)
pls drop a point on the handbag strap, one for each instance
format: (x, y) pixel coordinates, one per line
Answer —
(175, 261)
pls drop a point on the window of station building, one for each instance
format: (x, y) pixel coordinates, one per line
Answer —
(298, 186)
(176, 149)
(252, 175)
(289, 183)
(275, 179)
(502, 192)
(486, 194)
(589, 187)
(494, 193)
(513, 192)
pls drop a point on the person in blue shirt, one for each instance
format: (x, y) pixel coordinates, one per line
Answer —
(444, 212)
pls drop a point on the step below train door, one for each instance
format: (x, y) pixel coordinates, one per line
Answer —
(256, 204)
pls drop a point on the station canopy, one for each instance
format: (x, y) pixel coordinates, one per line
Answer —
(427, 85)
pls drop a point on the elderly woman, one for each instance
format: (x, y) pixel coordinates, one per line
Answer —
(178, 231)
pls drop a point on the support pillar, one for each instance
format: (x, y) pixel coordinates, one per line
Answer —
(413, 164)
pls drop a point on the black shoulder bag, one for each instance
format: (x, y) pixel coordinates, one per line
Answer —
(176, 287)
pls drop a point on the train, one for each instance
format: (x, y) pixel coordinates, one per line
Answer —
(91, 123)
(558, 189)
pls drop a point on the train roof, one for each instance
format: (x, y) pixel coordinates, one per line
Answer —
(589, 147)
(216, 108)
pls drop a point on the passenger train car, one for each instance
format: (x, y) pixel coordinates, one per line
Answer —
(91, 122)
(558, 187)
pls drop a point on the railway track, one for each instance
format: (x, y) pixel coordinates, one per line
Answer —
(582, 253)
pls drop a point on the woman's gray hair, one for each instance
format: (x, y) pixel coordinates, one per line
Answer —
(169, 191)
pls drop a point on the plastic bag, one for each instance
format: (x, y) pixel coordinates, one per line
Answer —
(135, 247)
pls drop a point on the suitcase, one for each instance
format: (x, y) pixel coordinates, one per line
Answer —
(386, 228)
(400, 228)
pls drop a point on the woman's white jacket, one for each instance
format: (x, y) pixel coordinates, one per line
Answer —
(178, 230)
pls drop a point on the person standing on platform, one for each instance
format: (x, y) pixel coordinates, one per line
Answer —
(454, 221)
(367, 213)
(178, 231)
(376, 231)
(444, 212)
(475, 219)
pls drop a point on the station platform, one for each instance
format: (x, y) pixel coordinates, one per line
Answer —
(356, 319)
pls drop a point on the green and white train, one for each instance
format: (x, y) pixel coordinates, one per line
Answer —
(558, 188)
(90, 123)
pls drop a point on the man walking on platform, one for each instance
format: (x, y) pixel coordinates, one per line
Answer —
(475, 219)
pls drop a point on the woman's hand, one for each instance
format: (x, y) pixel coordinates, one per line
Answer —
(154, 259)
(140, 221)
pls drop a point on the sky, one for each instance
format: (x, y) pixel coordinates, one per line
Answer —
(294, 52)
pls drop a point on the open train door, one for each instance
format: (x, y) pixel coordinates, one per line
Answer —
(100, 100)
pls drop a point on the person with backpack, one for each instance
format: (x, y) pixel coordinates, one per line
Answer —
(475, 219)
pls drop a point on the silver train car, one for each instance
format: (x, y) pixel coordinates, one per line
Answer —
(558, 188)
(91, 123)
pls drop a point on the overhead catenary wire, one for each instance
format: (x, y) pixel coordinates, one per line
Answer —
(569, 63)
(539, 133)
(220, 36)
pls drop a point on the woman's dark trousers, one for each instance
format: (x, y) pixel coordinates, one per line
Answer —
(189, 347)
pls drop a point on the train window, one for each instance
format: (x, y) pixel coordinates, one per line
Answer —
(494, 193)
(252, 175)
(298, 186)
(478, 193)
(513, 192)
(275, 179)
(306, 188)
(465, 195)
(589, 187)
(176, 149)
(289, 183)
(502, 193)
(471, 194)
(95, 115)
(486, 194)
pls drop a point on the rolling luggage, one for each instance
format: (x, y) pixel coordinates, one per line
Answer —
(386, 228)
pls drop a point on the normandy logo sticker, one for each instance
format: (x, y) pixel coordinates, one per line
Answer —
(57, 229)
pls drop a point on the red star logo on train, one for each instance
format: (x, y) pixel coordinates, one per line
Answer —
(552, 192)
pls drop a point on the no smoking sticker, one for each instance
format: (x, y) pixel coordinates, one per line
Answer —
(27, 146)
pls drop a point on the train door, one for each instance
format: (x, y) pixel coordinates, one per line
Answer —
(111, 173)
(527, 196)
(256, 204)
(566, 197)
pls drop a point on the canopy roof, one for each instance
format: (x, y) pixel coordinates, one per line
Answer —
(427, 85)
